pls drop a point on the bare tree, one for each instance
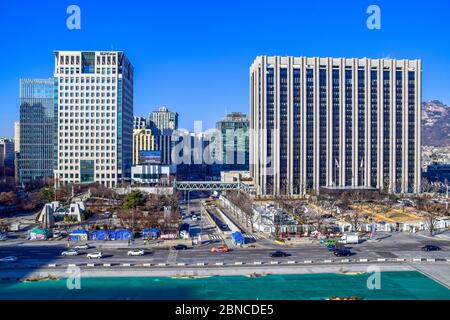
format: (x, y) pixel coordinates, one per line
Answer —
(429, 211)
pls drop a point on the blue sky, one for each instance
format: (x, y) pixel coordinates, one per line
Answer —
(194, 56)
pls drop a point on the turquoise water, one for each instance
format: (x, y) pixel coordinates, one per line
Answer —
(394, 285)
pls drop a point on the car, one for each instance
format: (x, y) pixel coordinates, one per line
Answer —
(279, 254)
(222, 248)
(430, 247)
(9, 259)
(194, 218)
(70, 252)
(342, 253)
(331, 247)
(136, 253)
(82, 247)
(330, 242)
(94, 255)
(180, 247)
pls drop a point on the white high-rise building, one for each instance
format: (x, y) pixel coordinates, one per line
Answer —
(335, 123)
(94, 112)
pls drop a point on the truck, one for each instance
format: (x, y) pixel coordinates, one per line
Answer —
(349, 239)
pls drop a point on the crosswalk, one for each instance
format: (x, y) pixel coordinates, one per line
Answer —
(215, 237)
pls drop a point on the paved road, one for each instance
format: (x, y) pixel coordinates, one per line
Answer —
(394, 247)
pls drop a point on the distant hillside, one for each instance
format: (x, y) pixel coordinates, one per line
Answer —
(435, 124)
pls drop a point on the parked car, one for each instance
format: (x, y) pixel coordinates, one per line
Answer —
(9, 259)
(279, 254)
(136, 252)
(82, 247)
(94, 255)
(342, 253)
(430, 247)
(180, 247)
(70, 252)
(222, 248)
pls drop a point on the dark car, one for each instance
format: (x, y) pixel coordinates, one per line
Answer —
(342, 253)
(331, 247)
(180, 247)
(279, 254)
(431, 248)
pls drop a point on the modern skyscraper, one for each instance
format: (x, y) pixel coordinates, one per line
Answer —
(143, 140)
(36, 130)
(94, 108)
(234, 130)
(162, 119)
(139, 123)
(330, 122)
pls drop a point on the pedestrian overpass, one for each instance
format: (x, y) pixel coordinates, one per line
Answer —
(211, 186)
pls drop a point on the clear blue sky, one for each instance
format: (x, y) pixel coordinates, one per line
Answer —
(194, 56)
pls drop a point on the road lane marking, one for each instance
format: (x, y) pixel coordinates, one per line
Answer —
(91, 265)
(126, 264)
(147, 265)
(219, 263)
(417, 260)
(400, 259)
(345, 260)
(328, 261)
(238, 263)
(381, 260)
(72, 265)
(431, 260)
(363, 260)
(291, 262)
(307, 261)
(257, 262)
(107, 264)
(274, 262)
(181, 264)
(52, 265)
(201, 264)
(162, 264)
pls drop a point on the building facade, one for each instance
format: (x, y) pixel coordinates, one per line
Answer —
(94, 112)
(17, 136)
(139, 123)
(335, 122)
(162, 119)
(234, 130)
(143, 140)
(35, 160)
(8, 152)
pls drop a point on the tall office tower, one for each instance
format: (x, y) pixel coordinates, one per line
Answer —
(36, 130)
(17, 136)
(94, 108)
(326, 122)
(139, 123)
(143, 140)
(234, 129)
(162, 119)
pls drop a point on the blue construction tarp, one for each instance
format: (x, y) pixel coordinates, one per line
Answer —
(99, 235)
(120, 234)
(151, 233)
(78, 235)
(238, 238)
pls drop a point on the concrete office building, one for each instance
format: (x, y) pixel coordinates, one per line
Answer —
(162, 119)
(143, 140)
(335, 122)
(94, 112)
(35, 160)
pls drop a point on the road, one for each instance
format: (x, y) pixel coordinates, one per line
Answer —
(398, 246)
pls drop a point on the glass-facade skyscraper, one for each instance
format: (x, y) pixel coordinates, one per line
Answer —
(93, 92)
(335, 122)
(36, 130)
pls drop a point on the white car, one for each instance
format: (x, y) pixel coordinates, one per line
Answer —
(9, 259)
(82, 247)
(94, 255)
(70, 252)
(136, 252)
